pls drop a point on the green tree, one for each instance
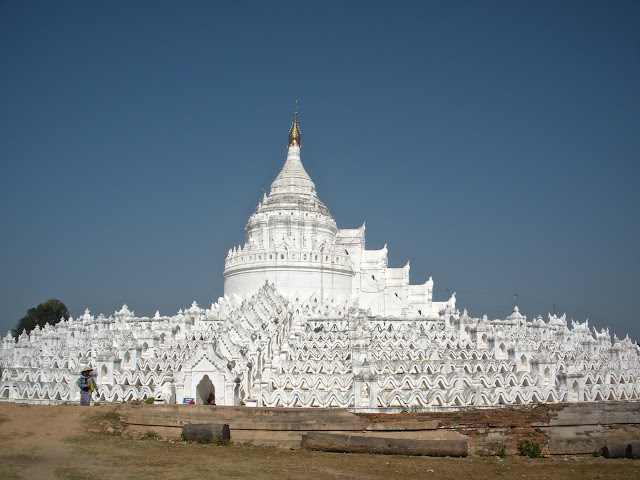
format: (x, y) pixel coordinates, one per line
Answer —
(51, 312)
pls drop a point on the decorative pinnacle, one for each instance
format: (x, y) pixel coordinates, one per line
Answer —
(294, 132)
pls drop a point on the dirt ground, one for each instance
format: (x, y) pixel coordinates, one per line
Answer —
(66, 442)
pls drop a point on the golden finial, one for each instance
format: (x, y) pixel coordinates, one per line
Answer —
(294, 133)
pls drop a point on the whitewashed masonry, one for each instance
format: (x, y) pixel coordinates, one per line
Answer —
(310, 318)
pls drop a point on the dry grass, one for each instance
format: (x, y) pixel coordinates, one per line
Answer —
(71, 474)
(10, 472)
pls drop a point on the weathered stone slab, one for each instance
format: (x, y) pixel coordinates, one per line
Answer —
(403, 426)
(585, 439)
(595, 414)
(246, 418)
(364, 444)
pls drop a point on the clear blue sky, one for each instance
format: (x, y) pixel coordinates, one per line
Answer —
(495, 145)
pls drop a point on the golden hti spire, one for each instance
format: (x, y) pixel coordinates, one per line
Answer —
(294, 133)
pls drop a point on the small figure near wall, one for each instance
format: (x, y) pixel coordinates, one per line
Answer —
(87, 386)
(211, 400)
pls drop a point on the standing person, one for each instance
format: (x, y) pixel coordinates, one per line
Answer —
(87, 386)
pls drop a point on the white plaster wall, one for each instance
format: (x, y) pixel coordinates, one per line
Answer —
(420, 298)
(298, 282)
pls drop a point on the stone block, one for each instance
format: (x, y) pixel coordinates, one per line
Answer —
(394, 446)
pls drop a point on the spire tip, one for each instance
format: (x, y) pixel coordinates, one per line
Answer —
(294, 132)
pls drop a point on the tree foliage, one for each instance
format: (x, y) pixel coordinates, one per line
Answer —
(51, 312)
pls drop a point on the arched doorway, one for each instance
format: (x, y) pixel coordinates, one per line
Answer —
(203, 390)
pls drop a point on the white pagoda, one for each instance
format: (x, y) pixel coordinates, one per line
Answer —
(310, 318)
(293, 243)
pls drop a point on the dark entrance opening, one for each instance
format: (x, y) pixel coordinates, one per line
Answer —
(205, 392)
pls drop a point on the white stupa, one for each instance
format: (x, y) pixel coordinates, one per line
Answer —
(293, 242)
(310, 318)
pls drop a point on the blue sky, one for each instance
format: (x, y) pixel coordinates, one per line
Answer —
(495, 145)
